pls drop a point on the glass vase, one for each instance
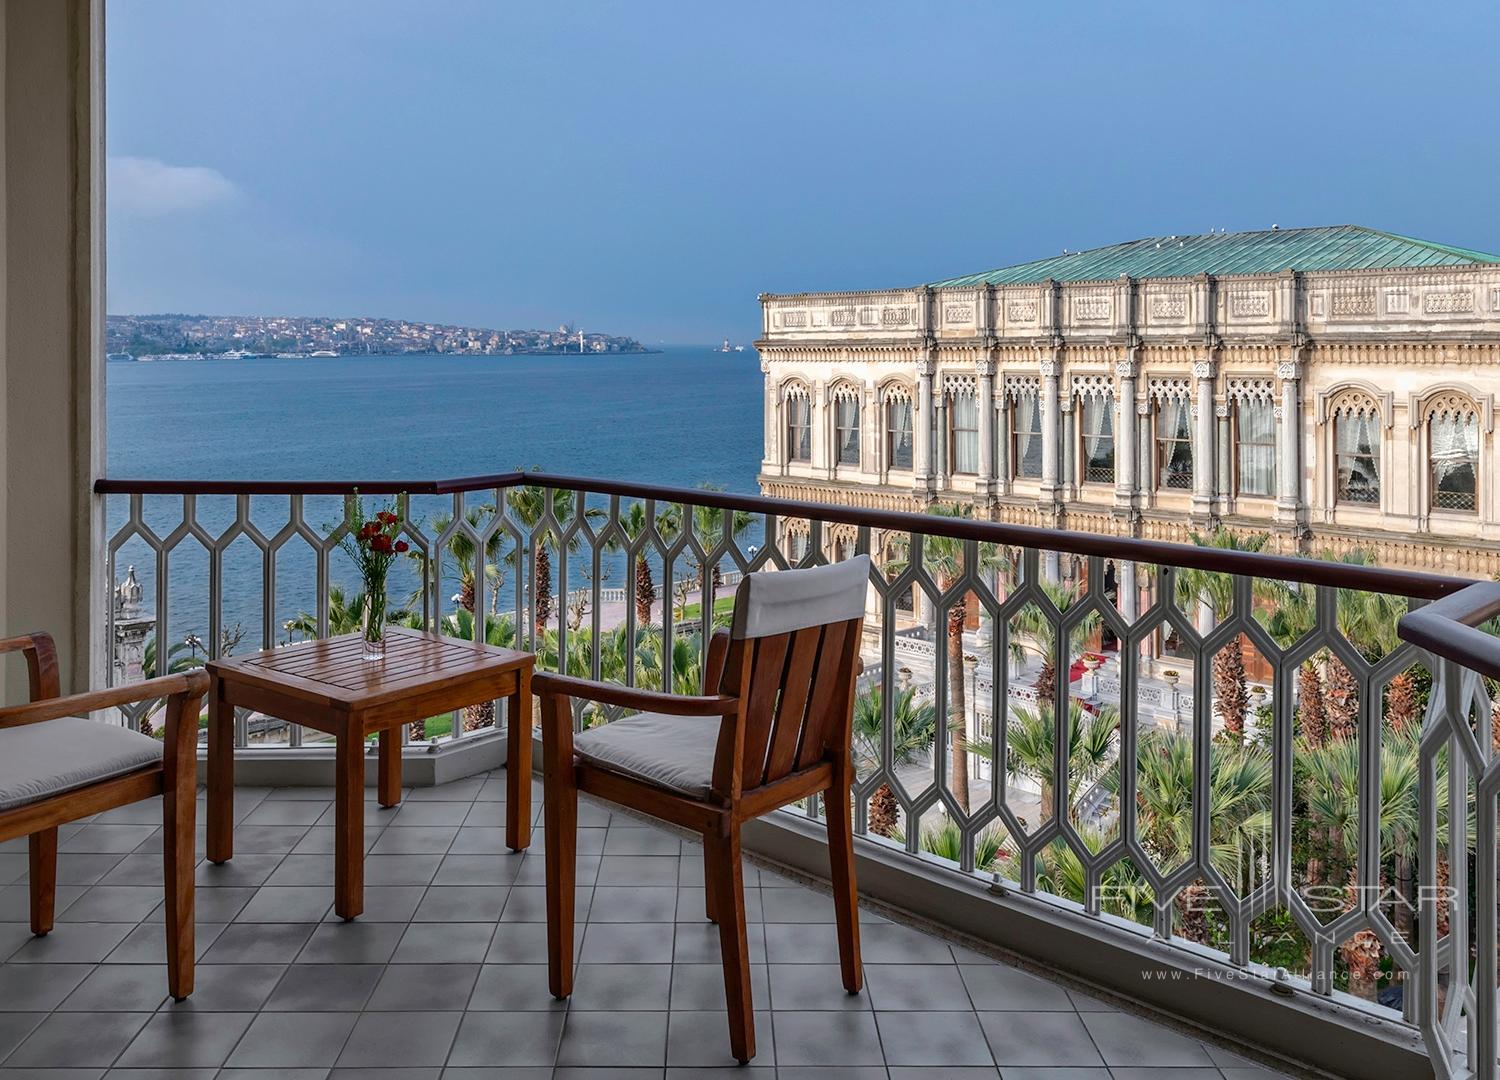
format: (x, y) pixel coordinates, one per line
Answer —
(372, 626)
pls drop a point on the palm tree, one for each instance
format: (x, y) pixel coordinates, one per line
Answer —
(913, 731)
(346, 612)
(1216, 591)
(1029, 741)
(1032, 622)
(944, 840)
(945, 557)
(633, 525)
(708, 524)
(529, 503)
(461, 547)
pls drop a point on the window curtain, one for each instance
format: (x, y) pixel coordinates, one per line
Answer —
(1028, 436)
(1177, 433)
(1257, 447)
(799, 428)
(900, 433)
(965, 433)
(1098, 438)
(847, 421)
(1455, 460)
(1358, 436)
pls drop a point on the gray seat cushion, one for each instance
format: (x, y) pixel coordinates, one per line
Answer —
(673, 752)
(38, 760)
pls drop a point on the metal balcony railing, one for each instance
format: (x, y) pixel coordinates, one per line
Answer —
(1291, 761)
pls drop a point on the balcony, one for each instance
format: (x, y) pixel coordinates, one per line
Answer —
(1243, 833)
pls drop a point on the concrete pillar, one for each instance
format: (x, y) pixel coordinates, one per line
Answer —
(1224, 488)
(986, 369)
(1289, 444)
(1127, 591)
(822, 452)
(1069, 479)
(1127, 428)
(775, 455)
(1204, 456)
(1002, 445)
(940, 442)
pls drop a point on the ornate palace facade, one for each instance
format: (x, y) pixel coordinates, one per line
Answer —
(1334, 387)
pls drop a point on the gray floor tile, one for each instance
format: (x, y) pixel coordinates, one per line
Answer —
(259, 943)
(461, 903)
(287, 904)
(620, 987)
(123, 988)
(229, 988)
(302, 870)
(424, 987)
(478, 840)
(352, 943)
(113, 903)
(386, 903)
(76, 943)
(72, 1039)
(113, 839)
(268, 839)
(324, 988)
(698, 943)
(147, 943)
(621, 943)
(528, 903)
(1038, 1038)
(401, 869)
(634, 903)
(701, 987)
(614, 1039)
(241, 871)
(637, 870)
(826, 1038)
(641, 840)
(444, 943)
(415, 840)
(293, 1040)
(185, 1040)
(997, 987)
(1124, 1039)
(813, 987)
(430, 814)
(38, 987)
(503, 1039)
(15, 901)
(932, 1038)
(523, 988)
(478, 869)
(218, 905)
(15, 1027)
(282, 812)
(919, 987)
(425, 1040)
(1155, 1072)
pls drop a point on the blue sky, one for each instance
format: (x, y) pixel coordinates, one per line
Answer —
(647, 168)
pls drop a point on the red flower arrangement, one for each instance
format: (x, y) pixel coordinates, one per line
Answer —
(374, 544)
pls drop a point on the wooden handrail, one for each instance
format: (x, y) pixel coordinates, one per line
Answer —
(188, 683)
(545, 684)
(1188, 556)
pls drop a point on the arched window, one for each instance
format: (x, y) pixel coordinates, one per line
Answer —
(1255, 446)
(1026, 434)
(846, 424)
(798, 424)
(1097, 416)
(1174, 436)
(1453, 454)
(898, 428)
(1356, 450)
(963, 425)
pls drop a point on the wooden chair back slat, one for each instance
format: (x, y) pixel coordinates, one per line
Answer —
(832, 683)
(767, 668)
(796, 688)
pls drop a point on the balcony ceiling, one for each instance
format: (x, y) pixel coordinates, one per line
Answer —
(447, 968)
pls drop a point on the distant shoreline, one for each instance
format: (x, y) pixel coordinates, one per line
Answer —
(157, 358)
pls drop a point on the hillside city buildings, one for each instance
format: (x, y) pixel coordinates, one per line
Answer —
(1333, 387)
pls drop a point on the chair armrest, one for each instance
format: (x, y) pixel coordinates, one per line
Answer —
(546, 684)
(41, 662)
(185, 685)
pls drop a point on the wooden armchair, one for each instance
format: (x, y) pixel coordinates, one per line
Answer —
(56, 766)
(780, 684)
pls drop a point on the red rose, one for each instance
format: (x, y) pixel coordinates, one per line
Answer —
(370, 529)
(402, 547)
(388, 517)
(381, 544)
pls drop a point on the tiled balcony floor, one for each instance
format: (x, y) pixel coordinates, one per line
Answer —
(445, 973)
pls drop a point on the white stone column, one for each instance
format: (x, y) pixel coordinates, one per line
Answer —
(986, 370)
(1050, 425)
(1204, 458)
(817, 403)
(1289, 444)
(775, 459)
(1068, 481)
(940, 440)
(870, 430)
(1003, 465)
(1127, 427)
(922, 444)
(1223, 489)
(1126, 590)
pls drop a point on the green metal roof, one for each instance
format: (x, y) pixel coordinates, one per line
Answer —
(1331, 247)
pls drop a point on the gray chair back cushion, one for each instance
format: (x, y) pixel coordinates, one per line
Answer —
(38, 760)
(780, 601)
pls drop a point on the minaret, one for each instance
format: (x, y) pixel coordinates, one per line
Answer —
(580, 342)
(131, 629)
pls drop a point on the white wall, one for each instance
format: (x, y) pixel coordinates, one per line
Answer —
(51, 327)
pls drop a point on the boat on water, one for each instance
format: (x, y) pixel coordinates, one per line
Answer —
(118, 357)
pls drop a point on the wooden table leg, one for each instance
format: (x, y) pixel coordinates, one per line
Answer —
(518, 765)
(390, 767)
(349, 826)
(220, 775)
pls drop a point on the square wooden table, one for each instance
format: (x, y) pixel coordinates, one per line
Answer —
(328, 686)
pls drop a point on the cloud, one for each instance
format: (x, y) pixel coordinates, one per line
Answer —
(147, 187)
